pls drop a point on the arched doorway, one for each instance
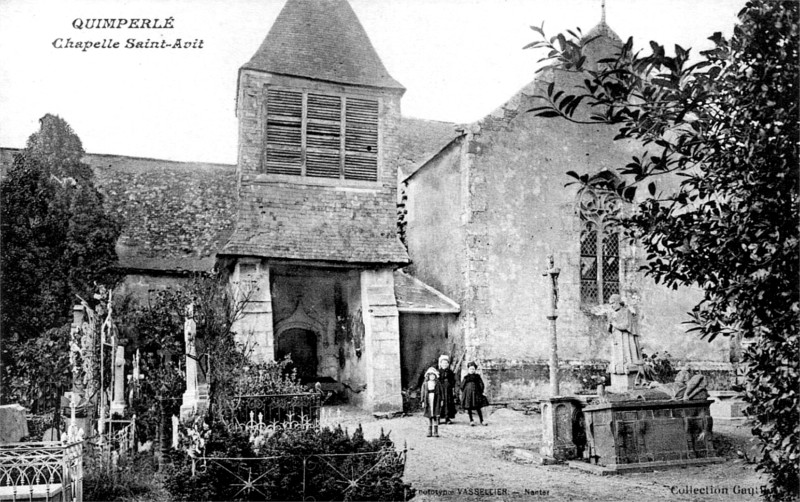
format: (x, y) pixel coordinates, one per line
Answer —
(301, 345)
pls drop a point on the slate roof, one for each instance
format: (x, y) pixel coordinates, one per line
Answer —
(174, 215)
(416, 297)
(290, 221)
(177, 215)
(421, 139)
(322, 40)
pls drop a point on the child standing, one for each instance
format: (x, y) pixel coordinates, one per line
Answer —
(431, 395)
(447, 379)
(472, 397)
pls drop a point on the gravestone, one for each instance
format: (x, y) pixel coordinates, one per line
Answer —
(51, 434)
(13, 424)
(118, 403)
(191, 397)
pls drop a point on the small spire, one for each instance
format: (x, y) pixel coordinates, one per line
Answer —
(603, 11)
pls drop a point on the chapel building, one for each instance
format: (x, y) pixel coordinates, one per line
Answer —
(487, 210)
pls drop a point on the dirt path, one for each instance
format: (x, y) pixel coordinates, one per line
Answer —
(500, 462)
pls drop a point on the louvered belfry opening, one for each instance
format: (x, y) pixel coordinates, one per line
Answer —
(320, 135)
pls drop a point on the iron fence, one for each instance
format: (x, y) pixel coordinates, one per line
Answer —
(118, 441)
(41, 471)
(253, 412)
(344, 476)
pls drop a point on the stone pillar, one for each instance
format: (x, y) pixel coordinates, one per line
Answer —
(552, 274)
(381, 341)
(118, 402)
(557, 421)
(253, 327)
(175, 432)
(191, 397)
(622, 383)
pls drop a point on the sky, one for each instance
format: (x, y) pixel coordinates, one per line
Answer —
(458, 59)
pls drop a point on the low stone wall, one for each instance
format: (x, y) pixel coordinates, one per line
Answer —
(509, 380)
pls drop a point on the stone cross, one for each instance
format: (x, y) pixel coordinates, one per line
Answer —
(118, 403)
(191, 396)
(553, 273)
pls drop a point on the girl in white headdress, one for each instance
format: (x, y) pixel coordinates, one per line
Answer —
(431, 395)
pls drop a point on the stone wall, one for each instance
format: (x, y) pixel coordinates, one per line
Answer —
(140, 285)
(435, 232)
(515, 210)
(381, 341)
(316, 218)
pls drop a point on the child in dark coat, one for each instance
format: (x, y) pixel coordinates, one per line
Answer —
(431, 396)
(447, 379)
(472, 397)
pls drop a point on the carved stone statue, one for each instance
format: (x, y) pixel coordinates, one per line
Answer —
(623, 324)
(686, 387)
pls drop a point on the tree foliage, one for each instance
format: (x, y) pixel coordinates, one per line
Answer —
(156, 329)
(56, 242)
(726, 126)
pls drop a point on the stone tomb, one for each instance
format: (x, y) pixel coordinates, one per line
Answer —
(728, 407)
(639, 434)
(13, 424)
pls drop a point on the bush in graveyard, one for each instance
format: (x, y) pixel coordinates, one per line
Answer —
(41, 371)
(383, 478)
(378, 467)
(659, 368)
(589, 376)
(156, 329)
(135, 479)
(56, 241)
(722, 200)
(214, 482)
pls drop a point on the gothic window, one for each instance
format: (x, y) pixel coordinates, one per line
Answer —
(321, 136)
(600, 269)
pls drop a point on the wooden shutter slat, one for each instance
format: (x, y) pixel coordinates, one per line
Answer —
(360, 168)
(361, 139)
(284, 103)
(323, 135)
(324, 107)
(283, 162)
(282, 135)
(322, 165)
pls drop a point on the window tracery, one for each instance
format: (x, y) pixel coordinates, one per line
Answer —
(600, 244)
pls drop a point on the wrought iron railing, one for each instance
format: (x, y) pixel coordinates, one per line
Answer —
(244, 413)
(118, 441)
(344, 476)
(41, 471)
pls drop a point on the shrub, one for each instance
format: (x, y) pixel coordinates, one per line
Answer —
(590, 376)
(289, 461)
(134, 479)
(659, 368)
